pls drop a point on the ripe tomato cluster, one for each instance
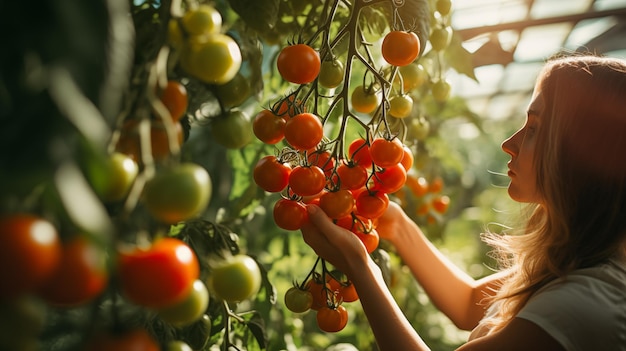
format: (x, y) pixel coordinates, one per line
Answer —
(425, 196)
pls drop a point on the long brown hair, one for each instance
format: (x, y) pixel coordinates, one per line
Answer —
(580, 159)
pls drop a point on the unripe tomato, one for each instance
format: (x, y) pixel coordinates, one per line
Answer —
(419, 128)
(214, 59)
(298, 300)
(160, 275)
(80, 277)
(204, 19)
(413, 76)
(120, 174)
(234, 92)
(178, 193)
(400, 106)
(364, 100)
(441, 90)
(232, 130)
(235, 278)
(400, 48)
(443, 6)
(190, 309)
(30, 251)
(331, 73)
(299, 63)
(177, 345)
(440, 38)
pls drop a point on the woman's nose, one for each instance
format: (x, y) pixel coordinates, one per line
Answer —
(509, 145)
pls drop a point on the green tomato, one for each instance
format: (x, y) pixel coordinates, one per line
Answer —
(443, 6)
(419, 128)
(413, 76)
(363, 100)
(121, 173)
(232, 130)
(298, 300)
(178, 193)
(178, 345)
(331, 73)
(400, 106)
(189, 310)
(440, 38)
(235, 279)
(234, 92)
(441, 90)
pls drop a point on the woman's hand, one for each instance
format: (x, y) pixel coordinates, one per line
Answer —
(337, 245)
(390, 222)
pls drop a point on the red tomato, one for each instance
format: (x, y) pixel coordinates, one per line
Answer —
(268, 127)
(304, 131)
(158, 276)
(400, 48)
(307, 180)
(175, 99)
(417, 185)
(359, 152)
(270, 174)
(337, 204)
(30, 251)
(322, 159)
(80, 277)
(389, 179)
(372, 204)
(348, 292)
(351, 176)
(386, 152)
(299, 63)
(332, 319)
(407, 158)
(290, 214)
(319, 293)
(440, 203)
(370, 239)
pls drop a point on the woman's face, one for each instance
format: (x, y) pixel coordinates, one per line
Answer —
(521, 147)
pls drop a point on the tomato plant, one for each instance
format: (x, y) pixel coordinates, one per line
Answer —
(386, 152)
(304, 131)
(268, 127)
(400, 48)
(178, 192)
(232, 129)
(271, 174)
(160, 275)
(332, 319)
(190, 309)
(298, 63)
(307, 180)
(235, 278)
(30, 252)
(290, 214)
(174, 97)
(213, 59)
(298, 300)
(337, 204)
(80, 277)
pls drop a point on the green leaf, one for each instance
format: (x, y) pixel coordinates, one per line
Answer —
(459, 58)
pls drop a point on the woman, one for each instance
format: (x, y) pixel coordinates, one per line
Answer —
(563, 280)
